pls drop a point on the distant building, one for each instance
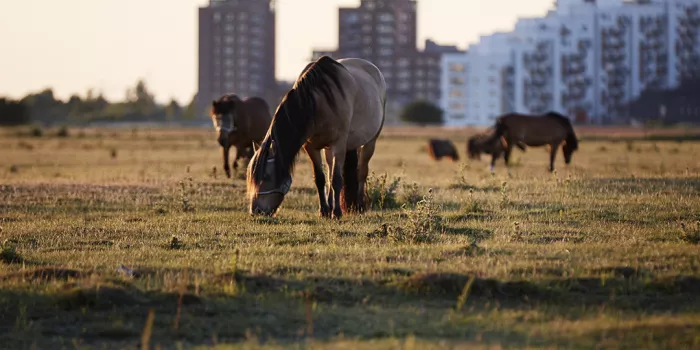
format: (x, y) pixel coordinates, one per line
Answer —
(236, 51)
(453, 83)
(384, 33)
(585, 58)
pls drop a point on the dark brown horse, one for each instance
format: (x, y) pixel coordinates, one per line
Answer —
(550, 129)
(239, 123)
(484, 143)
(442, 148)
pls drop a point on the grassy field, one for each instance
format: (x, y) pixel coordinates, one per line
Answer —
(114, 238)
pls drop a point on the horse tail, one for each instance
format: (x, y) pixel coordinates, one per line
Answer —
(351, 183)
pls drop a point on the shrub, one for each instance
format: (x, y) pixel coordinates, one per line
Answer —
(380, 193)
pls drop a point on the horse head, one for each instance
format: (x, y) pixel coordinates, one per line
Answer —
(226, 115)
(267, 186)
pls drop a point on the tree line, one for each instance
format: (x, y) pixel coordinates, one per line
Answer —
(138, 105)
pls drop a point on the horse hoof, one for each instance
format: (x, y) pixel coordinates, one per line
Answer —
(325, 213)
(337, 215)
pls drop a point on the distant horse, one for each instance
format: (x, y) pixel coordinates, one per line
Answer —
(239, 123)
(442, 148)
(551, 129)
(485, 143)
(337, 106)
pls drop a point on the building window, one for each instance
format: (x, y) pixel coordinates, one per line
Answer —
(352, 18)
(386, 17)
(385, 29)
(456, 67)
(386, 40)
(457, 116)
(456, 93)
(456, 80)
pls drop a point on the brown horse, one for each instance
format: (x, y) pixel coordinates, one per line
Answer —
(335, 106)
(484, 143)
(239, 123)
(551, 129)
(438, 148)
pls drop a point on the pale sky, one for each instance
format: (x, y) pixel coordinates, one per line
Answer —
(74, 45)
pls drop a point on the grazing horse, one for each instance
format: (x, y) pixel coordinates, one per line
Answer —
(335, 106)
(484, 143)
(239, 123)
(551, 129)
(442, 148)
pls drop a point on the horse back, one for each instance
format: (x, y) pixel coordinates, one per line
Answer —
(535, 130)
(367, 117)
(258, 118)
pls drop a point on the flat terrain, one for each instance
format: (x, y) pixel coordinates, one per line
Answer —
(102, 227)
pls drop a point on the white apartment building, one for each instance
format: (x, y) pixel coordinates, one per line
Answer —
(453, 80)
(586, 59)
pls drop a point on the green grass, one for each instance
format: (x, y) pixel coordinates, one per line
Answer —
(605, 252)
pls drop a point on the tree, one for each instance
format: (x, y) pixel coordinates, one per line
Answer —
(422, 113)
(173, 111)
(141, 100)
(191, 109)
(13, 112)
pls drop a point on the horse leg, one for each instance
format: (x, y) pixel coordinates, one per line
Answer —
(494, 157)
(552, 154)
(337, 177)
(225, 152)
(506, 156)
(329, 163)
(366, 153)
(319, 179)
(235, 160)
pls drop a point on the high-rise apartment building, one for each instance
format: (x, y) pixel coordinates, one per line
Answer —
(586, 59)
(236, 51)
(384, 33)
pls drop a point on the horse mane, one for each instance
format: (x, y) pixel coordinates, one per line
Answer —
(295, 116)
